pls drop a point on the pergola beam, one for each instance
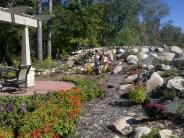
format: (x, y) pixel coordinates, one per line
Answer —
(25, 20)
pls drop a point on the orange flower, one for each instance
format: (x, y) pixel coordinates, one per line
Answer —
(56, 136)
(36, 133)
(46, 129)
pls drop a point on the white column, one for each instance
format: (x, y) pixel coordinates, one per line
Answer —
(26, 57)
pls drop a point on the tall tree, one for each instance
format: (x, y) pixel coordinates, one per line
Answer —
(151, 14)
(39, 32)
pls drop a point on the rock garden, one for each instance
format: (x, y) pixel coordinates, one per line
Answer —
(135, 92)
(142, 91)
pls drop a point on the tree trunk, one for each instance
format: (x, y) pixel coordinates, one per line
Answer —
(49, 31)
(39, 32)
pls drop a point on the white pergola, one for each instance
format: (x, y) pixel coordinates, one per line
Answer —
(16, 16)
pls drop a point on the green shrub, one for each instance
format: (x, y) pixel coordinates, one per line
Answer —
(6, 133)
(48, 63)
(64, 55)
(169, 93)
(159, 61)
(153, 134)
(89, 89)
(13, 109)
(170, 73)
(88, 86)
(138, 94)
(89, 68)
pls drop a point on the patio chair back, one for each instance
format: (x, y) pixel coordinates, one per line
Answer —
(22, 72)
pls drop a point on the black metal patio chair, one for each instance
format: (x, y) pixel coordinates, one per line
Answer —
(19, 80)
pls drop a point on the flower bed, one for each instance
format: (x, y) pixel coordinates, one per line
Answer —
(52, 115)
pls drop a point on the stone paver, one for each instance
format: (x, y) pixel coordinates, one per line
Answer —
(41, 87)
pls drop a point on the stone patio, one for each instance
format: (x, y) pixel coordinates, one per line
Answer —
(41, 87)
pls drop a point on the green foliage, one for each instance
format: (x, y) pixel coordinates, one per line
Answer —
(64, 55)
(54, 114)
(159, 61)
(92, 23)
(138, 94)
(12, 110)
(48, 63)
(89, 68)
(170, 93)
(6, 133)
(153, 134)
(170, 73)
(89, 89)
(88, 86)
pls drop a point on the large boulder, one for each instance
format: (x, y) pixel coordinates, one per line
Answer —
(178, 62)
(166, 56)
(140, 131)
(132, 59)
(154, 82)
(177, 83)
(166, 133)
(117, 69)
(176, 50)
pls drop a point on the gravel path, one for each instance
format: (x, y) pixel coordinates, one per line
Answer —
(99, 114)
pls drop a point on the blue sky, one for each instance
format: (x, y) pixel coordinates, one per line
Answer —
(176, 12)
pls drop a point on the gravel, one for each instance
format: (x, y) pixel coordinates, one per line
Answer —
(99, 114)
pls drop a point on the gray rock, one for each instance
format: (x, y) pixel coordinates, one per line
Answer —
(154, 55)
(159, 49)
(165, 67)
(177, 83)
(176, 50)
(166, 56)
(166, 133)
(70, 63)
(116, 136)
(121, 50)
(117, 69)
(179, 62)
(149, 66)
(131, 78)
(140, 131)
(154, 82)
(132, 59)
(114, 51)
(143, 55)
(134, 50)
(121, 123)
(144, 50)
(124, 87)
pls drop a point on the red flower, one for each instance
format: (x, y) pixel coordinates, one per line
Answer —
(36, 133)
(46, 129)
(55, 136)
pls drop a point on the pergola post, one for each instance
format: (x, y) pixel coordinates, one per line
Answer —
(26, 57)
